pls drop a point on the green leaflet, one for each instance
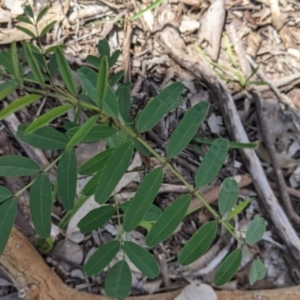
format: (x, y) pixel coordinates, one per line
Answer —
(103, 48)
(67, 179)
(96, 163)
(116, 78)
(114, 57)
(186, 129)
(28, 11)
(15, 166)
(110, 103)
(118, 281)
(255, 230)
(34, 66)
(8, 213)
(18, 104)
(96, 218)
(228, 267)
(198, 243)
(7, 88)
(124, 102)
(46, 138)
(93, 60)
(102, 80)
(24, 19)
(14, 59)
(212, 162)
(228, 195)
(113, 171)
(90, 188)
(42, 14)
(257, 271)
(47, 28)
(4, 194)
(142, 259)
(88, 79)
(101, 258)
(97, 133)
(151, 215)
(82, 132)
(168, 221)
(5, 61)
(65, 71)
(239, 208)
(158, 107)
(47, 117)
(27, 31)
(143, 199)
(41, 205)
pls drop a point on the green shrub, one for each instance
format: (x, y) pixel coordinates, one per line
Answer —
(107, 102)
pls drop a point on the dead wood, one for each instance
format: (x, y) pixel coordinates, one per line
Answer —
(188, 58)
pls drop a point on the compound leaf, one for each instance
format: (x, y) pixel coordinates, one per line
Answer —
(46, 138)
(96, 163)
(113, 171)
(142, 259)
(8, 213)
(198, 243)
(186, 129)
(97, 133)
(15, 166)
(47, 118)
(212, 162)
(228, 195)
(41, 205)
(158, 107)
(4, 193)
(228, 267)
(82, 132)
(255, 230)
(168, 221)
(96, 218)
(101, 258)
(67, 179)
(118, 281)
(18, 104)
(143, 199)
(257, 271)
(65, 71)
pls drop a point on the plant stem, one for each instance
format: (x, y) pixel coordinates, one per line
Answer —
(18, 193)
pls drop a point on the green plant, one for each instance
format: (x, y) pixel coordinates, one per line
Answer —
(107, 102)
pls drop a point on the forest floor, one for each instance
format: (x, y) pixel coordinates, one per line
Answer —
(245, 44)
